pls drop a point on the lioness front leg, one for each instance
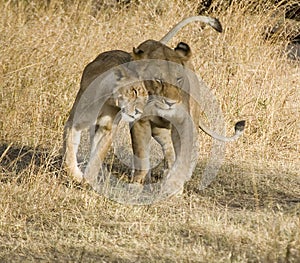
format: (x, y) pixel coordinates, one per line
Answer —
(176, 177)
(183, 138)
(163, 137)
(71, 142)
(101, 143)
(140, 138)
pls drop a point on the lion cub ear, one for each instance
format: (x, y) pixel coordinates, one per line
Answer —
(183, 50)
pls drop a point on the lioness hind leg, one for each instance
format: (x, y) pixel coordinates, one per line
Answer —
(71, 143)
(140, 138)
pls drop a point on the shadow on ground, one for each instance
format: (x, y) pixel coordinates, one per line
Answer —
(238, 187)
(16, 160)
(250, 187)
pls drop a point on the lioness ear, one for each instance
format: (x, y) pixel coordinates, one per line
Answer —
(137, 53)
(183, 50)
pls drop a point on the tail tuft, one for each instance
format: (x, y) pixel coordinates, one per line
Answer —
(215, 23)
(240, 126)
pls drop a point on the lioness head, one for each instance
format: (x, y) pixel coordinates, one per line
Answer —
(132, 101)
(163, 71)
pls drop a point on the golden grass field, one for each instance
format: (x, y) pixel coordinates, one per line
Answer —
(250, 213)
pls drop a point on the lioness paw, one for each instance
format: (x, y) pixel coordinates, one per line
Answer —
(76, 175)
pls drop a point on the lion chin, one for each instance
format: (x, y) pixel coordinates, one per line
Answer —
(130, 118)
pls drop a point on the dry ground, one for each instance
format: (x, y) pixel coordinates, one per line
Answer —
(250, 213)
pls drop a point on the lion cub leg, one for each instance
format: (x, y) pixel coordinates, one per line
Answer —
(71, 143)
(140, 138)
(101, 143)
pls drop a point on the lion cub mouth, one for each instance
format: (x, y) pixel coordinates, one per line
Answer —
(132, 116)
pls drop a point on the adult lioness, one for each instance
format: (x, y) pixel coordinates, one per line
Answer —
(95, 110)
(170, 86)
(101, 113)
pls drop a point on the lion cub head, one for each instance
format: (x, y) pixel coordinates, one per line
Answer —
(130, 94)
(163, 71)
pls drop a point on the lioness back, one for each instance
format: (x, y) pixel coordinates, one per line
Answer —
(102, 63)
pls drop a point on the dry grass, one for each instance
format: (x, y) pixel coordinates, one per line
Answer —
(251, 211)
